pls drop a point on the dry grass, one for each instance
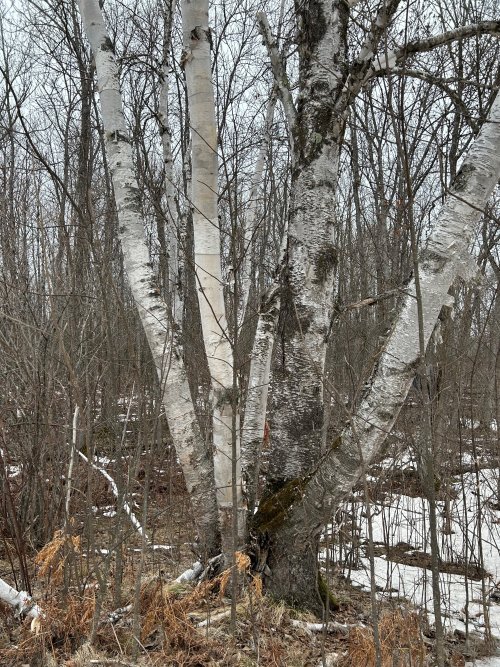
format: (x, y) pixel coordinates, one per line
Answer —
(170, 634)
(401, 643)
(52, 558)
(63, 628)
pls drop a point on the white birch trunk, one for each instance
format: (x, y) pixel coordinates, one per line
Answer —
(257, 393)
(252, 219)
(444, 259)
(69, 480)
(259, 378)
(21, 601)
(194, 458)
(307, 287)
(207, 243)
(172, 234)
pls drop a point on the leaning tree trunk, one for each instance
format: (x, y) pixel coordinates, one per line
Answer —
(293, 517)
(207, 244)
(161, 333)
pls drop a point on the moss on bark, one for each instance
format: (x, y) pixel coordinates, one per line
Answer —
(274, 507)
(328, 598)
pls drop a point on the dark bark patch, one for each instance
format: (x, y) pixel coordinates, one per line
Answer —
(312, 24)
(309, 420)
(432, 260)
(116, 136)
(294, 319)
(107, 45)
(327, 261)
(274, 507)
(462, 178)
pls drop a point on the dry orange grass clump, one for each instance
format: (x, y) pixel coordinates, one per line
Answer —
(165, 610)
(63, 628)
(400, 642)
(52, 558)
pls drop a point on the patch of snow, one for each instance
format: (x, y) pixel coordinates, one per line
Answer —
(404, 519)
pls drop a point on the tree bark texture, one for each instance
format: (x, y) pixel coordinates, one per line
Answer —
(298, 510)
(161, 334)
(204, 192)
(308, 280)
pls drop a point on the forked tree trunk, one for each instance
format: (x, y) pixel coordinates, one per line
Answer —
(161, 333)
(207, 243)
(293, 517)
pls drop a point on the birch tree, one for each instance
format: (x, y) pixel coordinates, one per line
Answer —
(197, 66)
(192, 451)
(307, 474)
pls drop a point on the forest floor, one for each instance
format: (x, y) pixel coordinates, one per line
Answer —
(75, 579)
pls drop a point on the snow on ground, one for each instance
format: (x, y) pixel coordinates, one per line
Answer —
(403, 520)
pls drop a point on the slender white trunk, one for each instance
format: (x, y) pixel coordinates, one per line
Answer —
(252, 219)
(172, 232)
(69, 481)
(258, 384)
(257, 393)
(207, 243)
(192, 452)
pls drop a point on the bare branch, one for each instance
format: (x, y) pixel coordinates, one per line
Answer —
(395, 57)
(279, 73)
(365, 58)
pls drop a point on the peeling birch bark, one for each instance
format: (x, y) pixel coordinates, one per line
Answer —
(204, 188)
(445, 258)
(195, 460)
(21, 602)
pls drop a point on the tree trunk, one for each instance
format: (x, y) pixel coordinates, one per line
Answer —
(166, 350)
(300, 507)
(207, 243)
(169, 241)
(308, 281)
(257, 393)
(293, 562)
